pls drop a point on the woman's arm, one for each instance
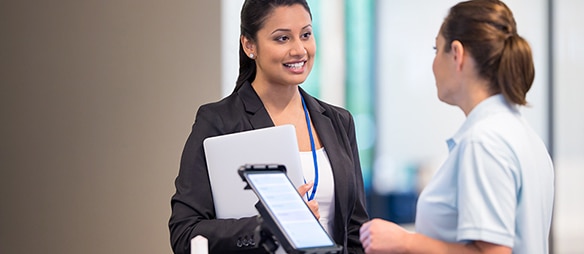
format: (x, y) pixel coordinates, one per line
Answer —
(192, 205)
(380, 236)
(359, 214)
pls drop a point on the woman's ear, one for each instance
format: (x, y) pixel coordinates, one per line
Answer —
(457, 50)
(248, 47)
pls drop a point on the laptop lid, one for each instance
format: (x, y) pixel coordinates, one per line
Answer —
(225, 154)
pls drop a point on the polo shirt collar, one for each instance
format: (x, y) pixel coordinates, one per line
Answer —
(490, 106)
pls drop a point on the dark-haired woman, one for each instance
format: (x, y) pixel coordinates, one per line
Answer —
(277, 52)
(494, 193)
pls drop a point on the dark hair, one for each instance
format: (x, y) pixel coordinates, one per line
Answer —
(487, 29)
(253, 16)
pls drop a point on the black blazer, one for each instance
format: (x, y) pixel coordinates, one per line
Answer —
(192, 205)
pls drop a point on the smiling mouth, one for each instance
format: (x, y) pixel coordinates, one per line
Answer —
(295, 65)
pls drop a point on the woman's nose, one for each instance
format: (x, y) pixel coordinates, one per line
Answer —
(298, 49)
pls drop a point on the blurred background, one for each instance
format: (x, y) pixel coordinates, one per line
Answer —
(97, 99)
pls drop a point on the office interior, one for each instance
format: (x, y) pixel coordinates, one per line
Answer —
(98, 98)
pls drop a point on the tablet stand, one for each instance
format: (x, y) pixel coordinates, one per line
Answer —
(265, 236)
(269, 240)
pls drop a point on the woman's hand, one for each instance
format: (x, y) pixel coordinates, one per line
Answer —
(380, 236)
(312, 204)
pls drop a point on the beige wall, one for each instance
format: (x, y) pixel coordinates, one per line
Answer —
(96, 100)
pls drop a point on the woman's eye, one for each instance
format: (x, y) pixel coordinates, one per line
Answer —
(282, 38)
(306, 35)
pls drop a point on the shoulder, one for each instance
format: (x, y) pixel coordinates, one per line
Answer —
(222, 107)
(336, 113)
(498, 138)
(337, 110)
(222, 114)
(500, 127)
(494, 119)
(226, 102)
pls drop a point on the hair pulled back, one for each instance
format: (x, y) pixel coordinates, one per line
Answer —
(253, 15)
(487, 29)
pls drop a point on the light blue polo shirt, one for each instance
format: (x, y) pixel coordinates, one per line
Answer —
(497, 184)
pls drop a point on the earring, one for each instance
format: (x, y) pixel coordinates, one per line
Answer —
(252, 56)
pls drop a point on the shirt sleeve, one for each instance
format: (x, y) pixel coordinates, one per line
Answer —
(487, 196)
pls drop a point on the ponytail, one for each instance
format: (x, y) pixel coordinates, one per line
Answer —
(516, 72)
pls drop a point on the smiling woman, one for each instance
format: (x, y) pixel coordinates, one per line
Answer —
(276, 54)
(284, 54)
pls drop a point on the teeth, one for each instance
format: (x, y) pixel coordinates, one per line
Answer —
(295, 65)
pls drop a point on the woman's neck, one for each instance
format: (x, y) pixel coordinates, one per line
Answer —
(477, 92)
(278, 98)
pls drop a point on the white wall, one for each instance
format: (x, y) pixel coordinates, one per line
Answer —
(413, 123)
(96, 101)
(230, 30)
(569, 125)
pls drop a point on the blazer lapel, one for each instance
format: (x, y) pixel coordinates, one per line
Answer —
(256, 112)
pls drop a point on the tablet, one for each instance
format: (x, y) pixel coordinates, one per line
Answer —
(292, 221)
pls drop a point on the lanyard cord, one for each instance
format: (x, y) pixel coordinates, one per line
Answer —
(313, 149)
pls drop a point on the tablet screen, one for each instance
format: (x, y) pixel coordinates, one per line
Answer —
(289, 210)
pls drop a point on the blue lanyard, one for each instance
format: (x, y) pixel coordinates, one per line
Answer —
(312, 147)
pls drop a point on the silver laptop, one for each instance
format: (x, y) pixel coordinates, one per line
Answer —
(226, 153)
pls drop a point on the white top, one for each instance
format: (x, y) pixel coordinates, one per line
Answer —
(497, 184)
(325, 191)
